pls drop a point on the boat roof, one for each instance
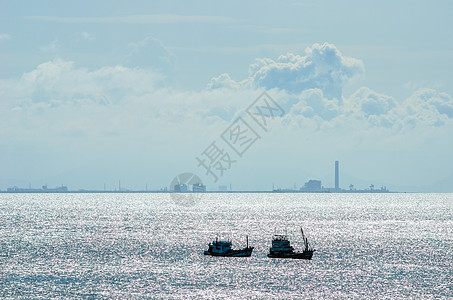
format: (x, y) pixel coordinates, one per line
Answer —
(279, 237)
(226, 243)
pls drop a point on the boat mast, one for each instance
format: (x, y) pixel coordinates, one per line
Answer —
(305, 239)
(247, 237)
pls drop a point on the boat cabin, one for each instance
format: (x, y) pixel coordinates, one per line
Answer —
(220, 247)
(280, 243)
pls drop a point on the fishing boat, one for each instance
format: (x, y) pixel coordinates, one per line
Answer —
(281, 248)
(223, 248)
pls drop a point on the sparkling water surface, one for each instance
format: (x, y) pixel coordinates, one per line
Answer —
(146, 246)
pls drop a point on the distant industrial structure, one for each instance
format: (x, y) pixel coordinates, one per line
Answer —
(43, 189)
(315, 186)
(337, 176)
(311, 186)
(351, 189)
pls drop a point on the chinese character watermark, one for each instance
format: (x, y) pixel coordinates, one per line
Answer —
(215, 161)
(239, 136)
(264, 108)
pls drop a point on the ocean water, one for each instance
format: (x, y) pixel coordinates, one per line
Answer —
(369, 246)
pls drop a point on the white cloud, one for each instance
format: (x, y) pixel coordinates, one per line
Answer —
(223, 81)
(441, 101)
(312, 89)
(371, 103)
(61, 83)
(323, 67)
(313, 104)
(368, 109)
(62, 80)
(103, 114)
(66, 117)
(117, 99)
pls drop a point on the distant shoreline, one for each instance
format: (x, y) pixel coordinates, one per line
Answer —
(207, 192)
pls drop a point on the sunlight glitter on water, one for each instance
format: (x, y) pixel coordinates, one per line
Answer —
(144, 245)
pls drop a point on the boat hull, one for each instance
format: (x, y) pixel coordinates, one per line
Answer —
(246, 252)
(300, 255)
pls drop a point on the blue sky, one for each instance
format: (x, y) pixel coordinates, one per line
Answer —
(93, 92)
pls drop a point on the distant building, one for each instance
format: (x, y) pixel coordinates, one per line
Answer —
(181, 188)
(199, 188)
(312, 186)
(13, 189)
(61, 188)
(43, 189)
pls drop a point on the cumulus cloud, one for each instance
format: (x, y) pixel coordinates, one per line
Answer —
(128, 106)
(368, 109)
(223, 81)
(107, 101)
(311, 88)
(322, 67)
(313, 103)
(424, 108)
(372, 107)
(61, 80)
(371, 103)
(442, 102)
(427, 107)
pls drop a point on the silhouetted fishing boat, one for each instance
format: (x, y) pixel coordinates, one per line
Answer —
(223, 248)
(281, 248)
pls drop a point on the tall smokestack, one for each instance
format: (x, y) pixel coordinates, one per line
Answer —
(337, 176)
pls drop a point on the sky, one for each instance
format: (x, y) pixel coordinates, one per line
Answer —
(97, 92)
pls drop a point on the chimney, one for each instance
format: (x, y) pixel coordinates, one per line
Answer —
(337, 176)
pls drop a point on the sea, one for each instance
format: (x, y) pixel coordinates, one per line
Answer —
(150, 246)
